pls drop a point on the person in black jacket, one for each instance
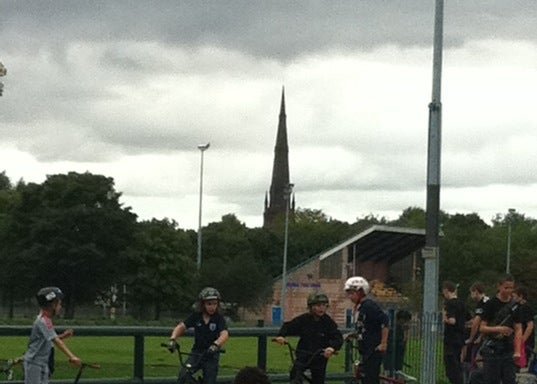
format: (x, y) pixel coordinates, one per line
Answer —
(371, 328)
(454, 318)
(318, 334)
(525, 315)
(502, 329)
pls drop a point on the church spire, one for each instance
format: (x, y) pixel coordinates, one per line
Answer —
(280, 170)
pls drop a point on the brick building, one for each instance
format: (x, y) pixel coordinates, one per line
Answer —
(387, 256)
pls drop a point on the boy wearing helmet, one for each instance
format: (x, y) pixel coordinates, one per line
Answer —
(371, 324)
(210, 334)
(43, 337)
(317, 332)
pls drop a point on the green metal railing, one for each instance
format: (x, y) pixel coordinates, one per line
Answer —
(140, 333)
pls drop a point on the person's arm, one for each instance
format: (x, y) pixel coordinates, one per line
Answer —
(66, 334)
(384, 321)
(178, 331)
(222, 338)
(291, 328)
(494, 330)
(527, 331)
(474, 329)
(335, 340)
(383, 346)
(62, 347)
(280, 337)
(450, 320)
(449, 317)
(518, 340)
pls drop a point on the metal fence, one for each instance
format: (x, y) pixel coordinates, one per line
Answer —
(411, 359)
(415, 344)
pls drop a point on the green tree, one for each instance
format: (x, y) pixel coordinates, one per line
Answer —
(311, 232)
(236, 261)
(161, 268)
(364, 222)
(5, 182)
(225, 239)
(242, 281)
(523, 255)
(465, 250)
(71, 231)
(267, 249)
(10, 273)
(411, 217)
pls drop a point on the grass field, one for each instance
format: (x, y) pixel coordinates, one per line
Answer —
(116, 355)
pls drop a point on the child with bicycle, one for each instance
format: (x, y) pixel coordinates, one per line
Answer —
(210, 334)
(43, 337)
(372, 328)
(319, 339)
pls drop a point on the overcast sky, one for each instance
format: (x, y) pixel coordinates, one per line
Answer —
(128, 89)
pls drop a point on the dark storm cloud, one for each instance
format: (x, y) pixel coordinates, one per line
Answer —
(275, 29)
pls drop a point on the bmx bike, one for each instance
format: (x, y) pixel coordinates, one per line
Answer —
(190, 364)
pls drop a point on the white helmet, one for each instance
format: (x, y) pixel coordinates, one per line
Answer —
(356, 283)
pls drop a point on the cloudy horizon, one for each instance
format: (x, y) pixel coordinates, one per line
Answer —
(129, 89)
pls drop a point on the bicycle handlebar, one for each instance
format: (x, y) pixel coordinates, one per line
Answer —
(320, 350)
(166, 345)
(82, 367)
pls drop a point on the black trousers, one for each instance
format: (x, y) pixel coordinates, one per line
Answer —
(499, 368)
(452, 363)
(371, 368)
(317, 368)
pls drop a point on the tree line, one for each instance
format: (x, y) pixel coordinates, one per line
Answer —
(72, 231)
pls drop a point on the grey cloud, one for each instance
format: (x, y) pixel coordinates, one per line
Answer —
(276, 29)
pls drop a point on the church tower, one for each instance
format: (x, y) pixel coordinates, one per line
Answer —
(275, 201)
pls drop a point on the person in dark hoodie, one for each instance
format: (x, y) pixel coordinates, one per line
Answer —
(318, 334)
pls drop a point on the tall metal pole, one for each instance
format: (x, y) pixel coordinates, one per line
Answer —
(287, 196)
(508, 257)
(202, 148)
(3, 72)
(431, 251)
(508, 261)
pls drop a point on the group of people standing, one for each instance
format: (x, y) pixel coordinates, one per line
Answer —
(493, 344)
(316, 330)
(486, 348)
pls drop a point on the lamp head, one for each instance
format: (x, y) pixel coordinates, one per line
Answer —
(203, 147)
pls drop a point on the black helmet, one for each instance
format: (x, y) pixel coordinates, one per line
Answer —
(317, 298)
(47, 295)
(209, 293)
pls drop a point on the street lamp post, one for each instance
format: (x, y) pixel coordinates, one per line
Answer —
(3, 72)
(508, 257)
(287, 196)
(431, 251)
(202, 148)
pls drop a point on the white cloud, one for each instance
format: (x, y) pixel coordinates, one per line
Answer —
(134, 107)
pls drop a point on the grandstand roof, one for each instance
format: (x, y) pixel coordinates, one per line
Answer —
(381, 242)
